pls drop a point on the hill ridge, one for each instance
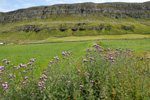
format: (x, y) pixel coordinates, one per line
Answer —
(87, 9)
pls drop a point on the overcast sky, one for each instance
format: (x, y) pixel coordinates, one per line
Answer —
(9, 5)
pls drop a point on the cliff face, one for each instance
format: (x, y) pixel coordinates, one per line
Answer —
(116, 10)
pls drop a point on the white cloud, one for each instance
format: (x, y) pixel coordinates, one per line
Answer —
(5, 10)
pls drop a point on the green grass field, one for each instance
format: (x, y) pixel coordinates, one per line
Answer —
(139, 45)
(45, 52)
(42, 52)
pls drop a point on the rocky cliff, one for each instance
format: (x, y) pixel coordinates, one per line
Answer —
(116, 10)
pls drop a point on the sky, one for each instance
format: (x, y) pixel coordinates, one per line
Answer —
(10, 5)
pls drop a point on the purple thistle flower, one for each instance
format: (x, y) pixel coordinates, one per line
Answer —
(4, 60)
(14, 76)
(3, 85)
(148, 58)
(10, 75)
(41, 77)
(24, 71)
(44, 87)
(101, 50)
(81, 85)
(18, 67)
(10, 79)
(120, 73)
(26, 77)
(91, 58)
(88, 50)
(32, 60)
(63, 53)
(88, 73)
(40, 84)
(6, 87)
(110, 53)
(51, 61)
(56, 57)
(23, 82)
(1, 67)
(111, 58)
(30, 63)
(7, 62)
(79, 71)
(49, 66)
(68, 81)
(85, 60)
(92, 81)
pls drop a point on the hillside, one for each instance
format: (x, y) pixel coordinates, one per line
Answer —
(75, 19)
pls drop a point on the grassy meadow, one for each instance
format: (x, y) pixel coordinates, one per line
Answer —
(99, 73)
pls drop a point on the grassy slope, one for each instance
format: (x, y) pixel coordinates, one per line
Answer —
(138, 25)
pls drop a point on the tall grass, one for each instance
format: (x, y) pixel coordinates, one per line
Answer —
(102, 73)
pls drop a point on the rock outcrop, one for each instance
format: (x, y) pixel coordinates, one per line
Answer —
(116, 10)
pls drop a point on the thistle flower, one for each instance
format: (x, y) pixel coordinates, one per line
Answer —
(40, 84)
(85, 60)
(91, 58)
(63, 53)
(10, 75)
(4, 60)
(32, 60)
(51, 61)
(110, 53)
(18, 67)
(80, 85)
(6, 87)
(44, 87)
(68, 81)
(1, 67)
(111, 58)
(79, 71)
(148, 58)
(88, 50)
(1, 71)
(49, 66)
(7, 62)
(26, 77)
(120, 73)
(92, 81)
(30, 63)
